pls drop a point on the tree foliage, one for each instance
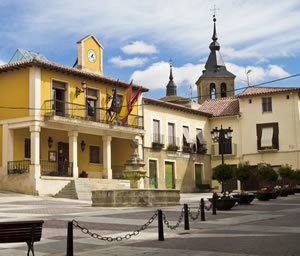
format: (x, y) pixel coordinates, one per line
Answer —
(285, 171)
(296, 175)
(222, 173)
(265, 172)
(243, 172)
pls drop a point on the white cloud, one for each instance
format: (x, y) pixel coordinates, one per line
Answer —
(156, 76)
(2, 62)
(139, 47)
(134, 62)
(257, 73)
(250, 32)
(276, 71)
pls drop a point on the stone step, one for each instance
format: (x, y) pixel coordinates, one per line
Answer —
(82, 188)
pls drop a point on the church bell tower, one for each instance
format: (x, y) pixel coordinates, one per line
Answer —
(216, 81)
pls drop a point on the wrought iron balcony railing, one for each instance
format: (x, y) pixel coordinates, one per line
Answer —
(83, 112)
(18, 167)
(61, 169)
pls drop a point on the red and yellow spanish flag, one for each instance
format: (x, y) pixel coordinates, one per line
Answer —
(125, 106)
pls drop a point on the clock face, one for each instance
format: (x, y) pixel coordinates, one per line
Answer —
(91, 56)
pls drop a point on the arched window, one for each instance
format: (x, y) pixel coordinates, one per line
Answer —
(212, 91)
(223, 90)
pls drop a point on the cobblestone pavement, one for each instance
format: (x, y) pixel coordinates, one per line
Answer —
(262, 228)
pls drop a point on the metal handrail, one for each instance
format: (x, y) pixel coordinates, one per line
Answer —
(79, 111)
(18, 167)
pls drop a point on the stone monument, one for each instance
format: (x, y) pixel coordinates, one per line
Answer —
(134, 166)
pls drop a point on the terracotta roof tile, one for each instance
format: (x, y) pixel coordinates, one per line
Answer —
(65, 69)
(254, 90)
(228, 106)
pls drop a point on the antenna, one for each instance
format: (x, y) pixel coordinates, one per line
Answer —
(190, 90)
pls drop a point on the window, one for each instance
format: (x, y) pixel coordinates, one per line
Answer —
(223, 90)
(171, 133)
(58, 97)
(186, 136)
(212, 91)
(27, 148)
(267, 104)
(95, 157)
(267, 136)
(91, 102)
(156, 131)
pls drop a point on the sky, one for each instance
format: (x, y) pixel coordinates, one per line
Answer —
(260, 38)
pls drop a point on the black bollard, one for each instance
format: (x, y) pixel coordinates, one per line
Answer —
(160, 226)
(214, 210)
(186, 217)
(70, 239)
(202, 210)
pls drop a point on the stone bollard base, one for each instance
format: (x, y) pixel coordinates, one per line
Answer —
(135, 197)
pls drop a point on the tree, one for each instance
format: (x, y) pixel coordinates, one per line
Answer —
(243, 172)
(285, 172)
(222, 173)
(296, 175)
(265, 172)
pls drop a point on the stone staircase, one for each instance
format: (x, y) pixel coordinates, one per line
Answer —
(81, 188)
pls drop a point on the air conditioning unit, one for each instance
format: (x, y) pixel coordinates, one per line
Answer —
(215, 149)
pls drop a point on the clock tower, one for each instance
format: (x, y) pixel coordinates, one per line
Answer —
(89, 55)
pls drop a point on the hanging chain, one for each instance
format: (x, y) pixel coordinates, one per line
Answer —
(207, 205)
(178, 222)
(118, 238)
(198, 212)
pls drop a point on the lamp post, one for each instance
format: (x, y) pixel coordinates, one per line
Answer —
(220, 136)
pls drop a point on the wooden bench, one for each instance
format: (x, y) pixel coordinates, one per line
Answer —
(21, 231)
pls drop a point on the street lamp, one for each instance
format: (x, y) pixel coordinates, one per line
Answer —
(220, 136)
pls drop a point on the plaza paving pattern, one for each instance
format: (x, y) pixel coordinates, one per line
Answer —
(262, 228)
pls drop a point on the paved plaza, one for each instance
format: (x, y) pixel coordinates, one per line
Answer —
(262, 228)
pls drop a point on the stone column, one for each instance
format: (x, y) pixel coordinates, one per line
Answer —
(73, 156)
(7, 147)
(35, 168)
(107, 171)
(140, 146)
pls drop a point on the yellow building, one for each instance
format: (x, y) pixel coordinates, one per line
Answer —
(54, 122)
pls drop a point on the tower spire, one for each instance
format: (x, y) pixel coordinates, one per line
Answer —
(214, 37)
(171, 87)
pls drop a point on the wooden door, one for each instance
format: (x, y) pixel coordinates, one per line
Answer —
(152, 174)
(169, 175)
(63, 158)
(198, 175)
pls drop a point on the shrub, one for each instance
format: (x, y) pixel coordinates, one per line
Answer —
(172, 147)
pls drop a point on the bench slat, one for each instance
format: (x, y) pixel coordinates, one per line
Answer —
(20, 231)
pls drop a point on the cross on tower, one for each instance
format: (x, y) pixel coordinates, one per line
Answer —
(214, 10)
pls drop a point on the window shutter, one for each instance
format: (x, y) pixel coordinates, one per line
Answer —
(58, 85)
(156, 131)
(258, 133)
(275, 138)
